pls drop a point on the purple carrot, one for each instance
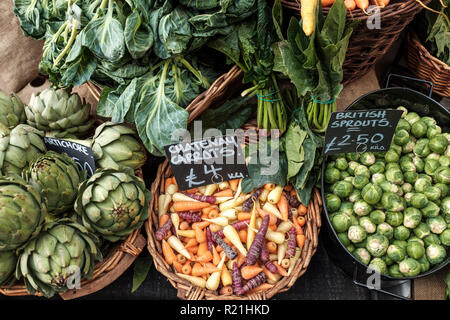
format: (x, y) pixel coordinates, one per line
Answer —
(292, 243)
(248, 204)
(293, 201)
(255, 249)
(237, 225)
(237, 279)
(161, 233)
(290, 215)
(229, 251)
(209, 199)
(265, 258)
(253, 283)
(209, 240)
(190, 216)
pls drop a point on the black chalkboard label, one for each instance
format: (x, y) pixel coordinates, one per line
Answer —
(361, 131)
(210, 160)
(81, 154)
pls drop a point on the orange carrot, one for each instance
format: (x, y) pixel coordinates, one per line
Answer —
(300, 240)
(234, 184)
(205, 257)
(202, 248)
(288, 188)
(193, 249)
(187, 269)
(362, 4)
(301, 221)
(380, 3)
(249, 272)
(350, 4)
(189, 206)
(271, 247)
(244, 216)
(200, 225)
(219, 249)
(243, 235)
(270, 275)
(302, 210)
(298, 229)
(184, 225)
(269, 186)
(181, 258)
(163, 219)
(168, 253)
(283, 205)
(281, 270)
(193, 190)
(168, 182)
(178, 266)
(192, 242)
(261, 287)
(273, 227)
(224, 193)
(208, 210)
(262, 213)
(226, 291)
(327, 3)
(213, 214)
(198, 270)
(200, 235)
(216, 257)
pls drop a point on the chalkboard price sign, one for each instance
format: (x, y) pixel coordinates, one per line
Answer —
(210, 160)
(81, 154)
(361, 131)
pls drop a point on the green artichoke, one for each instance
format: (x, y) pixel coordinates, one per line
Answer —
(113, 203)
(19, 148)
(59, 177)
(59, 112)
(61, 254)
(8, 261)
(22, 212)
(12, 111)
(116, 145)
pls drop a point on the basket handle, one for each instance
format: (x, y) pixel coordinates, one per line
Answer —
(395, 75)
(373, 291)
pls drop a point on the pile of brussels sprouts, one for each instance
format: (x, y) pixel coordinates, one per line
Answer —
(391, 209)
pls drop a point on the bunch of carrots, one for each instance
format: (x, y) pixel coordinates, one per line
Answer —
(218, 238)
(360, 4)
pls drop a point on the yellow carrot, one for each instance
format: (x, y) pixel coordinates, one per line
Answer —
(210, 189)
(186, 233)
(221, 221)
(214, 279)
(197, 281)
(282, 248)
(176, 244)
(216, 257)
(232, 235)
(284, 226)
(230, 214)
(268, 207)
(226, 277)
(308, 8)
(250, 230)
(275, 194)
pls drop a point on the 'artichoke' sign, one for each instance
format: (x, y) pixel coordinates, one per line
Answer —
(81, 154)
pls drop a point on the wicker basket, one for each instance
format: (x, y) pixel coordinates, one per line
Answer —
(221, 90)
(427, 67)
(119, 259)
(367, 46)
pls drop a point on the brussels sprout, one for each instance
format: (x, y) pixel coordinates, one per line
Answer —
(386, 230)
(442, 175)
(407, 187)
(362, 208)
(403, 125)
(421, 148)
(422, 230)
(412, 117)
(356, 234)
(408, 197)
(401, 137)
(352, 165)
(352, 156)
(437, 224)
(378, 265)
(367, 158)
(407, 157)
(419, 200)
(367, 224)
(377, 216)
(419, 163)
(410, 176)
(387, 186)
(392, 202)
(396, 253)
(443, 188)
(377, 168)
(377, 244)
(340, 222)
(341, 164)
(433, 130)
(431, 239)
(350, 248)
(401, 243)
(362, 169)
(410, 267)
(445, 237)
(409, 145)
(401, 233)
(344, 238)
(412, 217)
(378, 178)
(391, 156)
(424, 264)
(344, 175)
(445, 205)
(331, 164)
(431, 165)
(394, 175)
(415, 239)
(387, 260)
(432, 193)
(436, 253)
(333, 202)
(431, 210)
(415, 250)
(362, 255)
(392, 165)
(343, 189)
(429, 121)
(419, 129)
(438, 143)
(444, 161)
(371, 193)
(407, 166)
(394, 218)
(421, 184)
(355, 196)
(433, 156)
(332, 175)
(426, 177)
(394, 271)
(349, 179)
(361, 244)
(346, 208)
(360, 181)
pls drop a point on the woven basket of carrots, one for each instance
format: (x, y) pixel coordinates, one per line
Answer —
(215, 242)
(368, 42)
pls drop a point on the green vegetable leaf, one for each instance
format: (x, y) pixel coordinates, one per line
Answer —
(138, 35)
(142, 266)
(294, 149)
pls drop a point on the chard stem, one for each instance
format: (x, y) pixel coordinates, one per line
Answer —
(69, 44)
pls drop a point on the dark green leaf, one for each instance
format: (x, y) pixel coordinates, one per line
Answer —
(138, 35)
(142, 266)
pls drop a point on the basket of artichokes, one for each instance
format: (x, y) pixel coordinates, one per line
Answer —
(62, 232)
